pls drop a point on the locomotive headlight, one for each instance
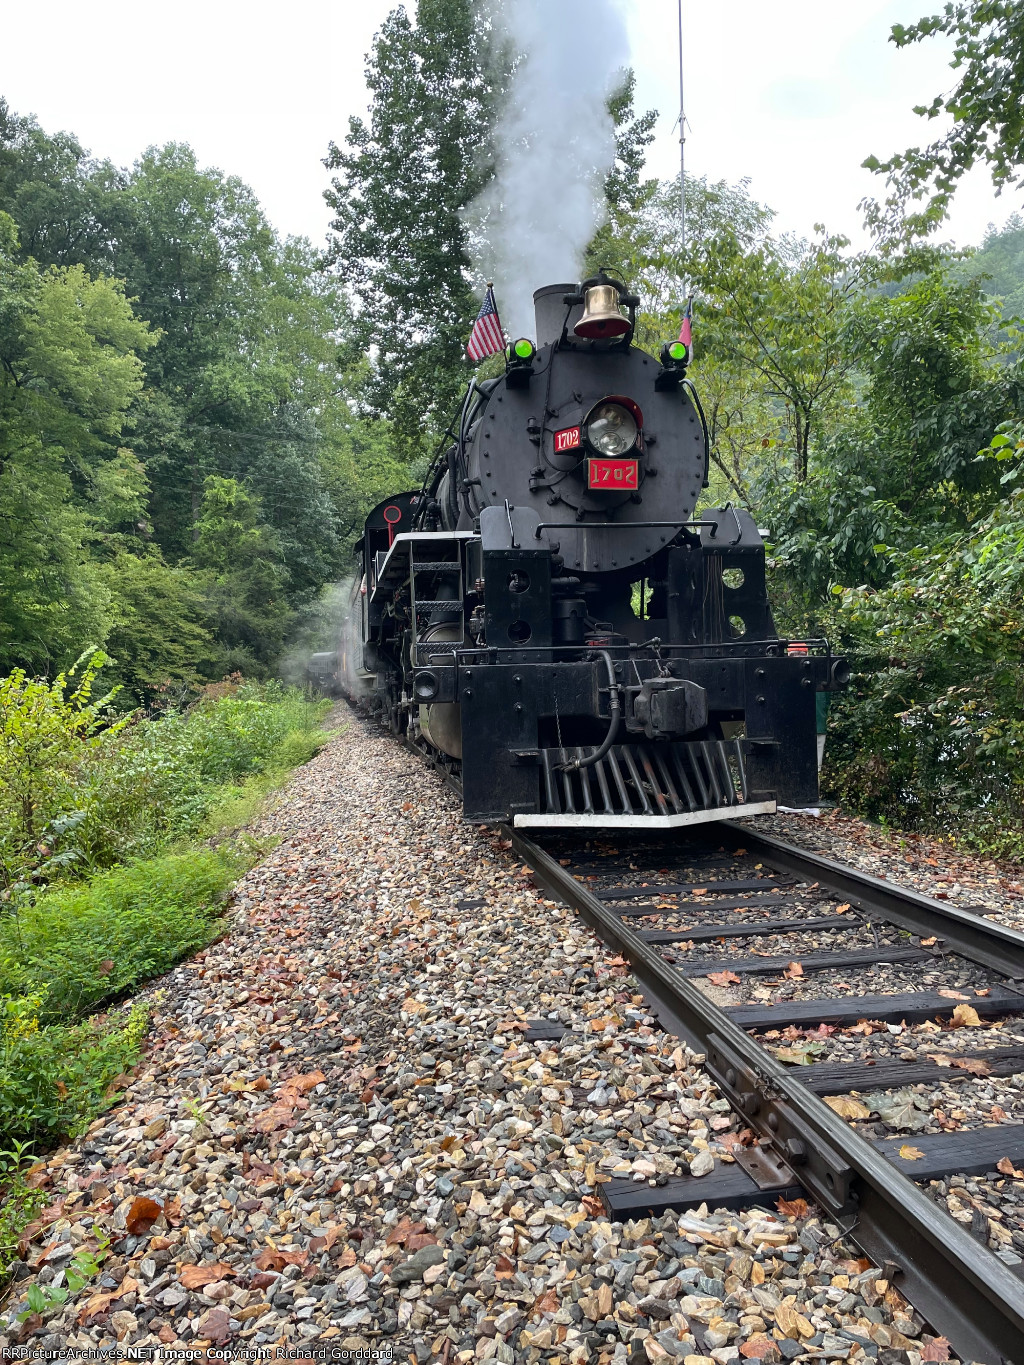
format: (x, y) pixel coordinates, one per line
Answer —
(611, 429)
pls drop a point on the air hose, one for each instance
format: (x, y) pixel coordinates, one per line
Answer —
(613, 725)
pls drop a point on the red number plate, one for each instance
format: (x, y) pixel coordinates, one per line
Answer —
(612, 474)
(568, 439)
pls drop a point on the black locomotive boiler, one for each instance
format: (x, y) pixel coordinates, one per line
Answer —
(547, 619)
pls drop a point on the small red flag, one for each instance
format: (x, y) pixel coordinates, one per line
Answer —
(686, 330)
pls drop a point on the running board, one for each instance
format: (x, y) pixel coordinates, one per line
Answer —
(597, 821)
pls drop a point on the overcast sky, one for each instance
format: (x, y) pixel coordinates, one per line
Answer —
(793, 95)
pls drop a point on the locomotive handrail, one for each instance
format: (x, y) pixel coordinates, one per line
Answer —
(616, 525)
(779, 645)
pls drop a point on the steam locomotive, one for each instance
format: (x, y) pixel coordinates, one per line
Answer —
(546, 619)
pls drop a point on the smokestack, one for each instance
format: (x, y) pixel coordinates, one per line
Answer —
(549, 311)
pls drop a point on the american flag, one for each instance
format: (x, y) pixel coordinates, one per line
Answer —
(486, 337)
(686, 330)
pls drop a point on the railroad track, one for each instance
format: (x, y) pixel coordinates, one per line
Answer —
(746, 908)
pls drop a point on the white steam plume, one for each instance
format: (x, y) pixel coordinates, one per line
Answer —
(555, 144)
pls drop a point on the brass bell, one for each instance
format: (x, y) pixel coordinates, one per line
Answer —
(602, 316)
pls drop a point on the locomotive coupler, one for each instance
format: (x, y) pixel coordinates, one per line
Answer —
(667, 708)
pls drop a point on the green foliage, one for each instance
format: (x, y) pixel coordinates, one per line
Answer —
(86, 943)
(933, 733)
(48, 738)
(70, 371)
(78, 794)
(998, 264)
(232, 362)
(20, 1201)
(81, 1268)
(986, 107)
(55, 1079)
(131, 793)
(404, 177)
(159, 629)
(777, 311)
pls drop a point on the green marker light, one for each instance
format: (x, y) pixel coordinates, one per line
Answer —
(523, 349)
(677, 351)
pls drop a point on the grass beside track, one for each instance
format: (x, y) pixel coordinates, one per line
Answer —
(136, 835)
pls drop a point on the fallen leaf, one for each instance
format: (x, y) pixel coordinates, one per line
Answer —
(215, 1326)
(856, 1267)
(99, 1303)
(801, 1054)
(546, 1303)
(936, 1349)
(723, 978)
(975, 1066)
(195, 1276)
(940, 1058)
(274, 1259)
(142, 1214)
(952, 995)
(792, 1208)
(291, 1097)
(929, 942)
(900, 1108)
(700, 891)
(793, 971)
(846, 1107)
(504, 1269)
(402, 1231)
(966, 1016)
(909, 1153)
(105, 967)
(331, 1234)
(842, 909)
(1006, 1166)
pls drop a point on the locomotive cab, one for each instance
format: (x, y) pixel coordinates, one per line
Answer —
(549, 620)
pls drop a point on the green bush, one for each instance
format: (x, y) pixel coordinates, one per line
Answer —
(86, 943)
(50, 737)
(101, 883)
(56, 1079)
(931, 734)
(20, 1201)
(76, 798)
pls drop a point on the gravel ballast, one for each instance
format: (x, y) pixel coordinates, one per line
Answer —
(339, 1135)
(991, 887)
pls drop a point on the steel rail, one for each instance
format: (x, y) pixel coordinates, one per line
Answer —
(981, 940)
(962, 1289)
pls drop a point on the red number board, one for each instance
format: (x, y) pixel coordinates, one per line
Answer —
(612, 474)
(567, 439)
